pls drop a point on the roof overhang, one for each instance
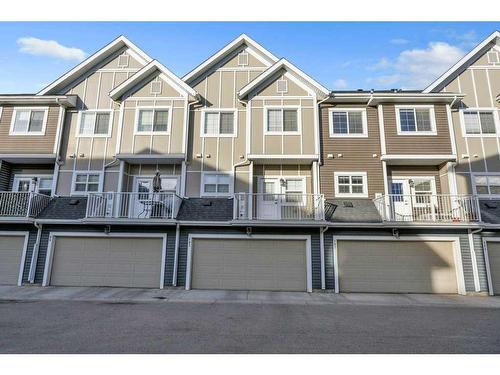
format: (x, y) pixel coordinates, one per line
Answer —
(402, 97)
(147, 71)
(28, 158)
(283, 159)
(63, 100)
(417, 159)
(151, 158)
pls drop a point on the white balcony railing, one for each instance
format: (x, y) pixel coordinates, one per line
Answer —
(22, 204)
(133, 205)
(429, 208)
(286, 207)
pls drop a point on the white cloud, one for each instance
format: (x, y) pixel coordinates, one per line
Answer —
(399, 41)
(50, 48)
(416, 68)
(340, 84)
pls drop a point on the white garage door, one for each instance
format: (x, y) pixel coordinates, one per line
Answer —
(249, 264)
(11, 257)
(396, 266)
(111, 261)
(494, 258)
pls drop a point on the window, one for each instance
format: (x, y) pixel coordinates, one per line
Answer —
(243, 58)
(487, 185)
(216, 184)
(41, 184)
(294, 190)
(282, 120)
(156, 87)
(348, 123)
(86, 182)
(416, 120)
(351, 184)
(479, 122)
(282, 85)
(493, 57)
(123, 60)
(219, 123)
(95, 123)
(28, 121)
(423, 191)
(153, 120)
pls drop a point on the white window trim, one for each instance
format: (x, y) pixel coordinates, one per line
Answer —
(28, 133)
(110, 126)
(348, 135)
(473, 182)
(17, 177)
(278, 85)
(432, 116)
(84, 193)
(248, 58)
(282, 132)
(479, 109)
(216, 194)
(136, 121)
(493, 62)
(159, 82)
(351, 195)
(219, 110)
(128, 60)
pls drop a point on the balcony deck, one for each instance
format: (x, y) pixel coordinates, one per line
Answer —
(22, 204)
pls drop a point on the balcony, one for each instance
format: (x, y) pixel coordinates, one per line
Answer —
(22, 204)
(282, 207)
(429, 208)
(138, 206)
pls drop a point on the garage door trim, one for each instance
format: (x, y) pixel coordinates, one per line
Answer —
(456, 253)
(306, 238)
(491, 292)
(23, 255)
(50, 249)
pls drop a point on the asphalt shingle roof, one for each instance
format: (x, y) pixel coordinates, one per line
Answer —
(206, 209)
(490, 211)
(65, 208)
(351, 211)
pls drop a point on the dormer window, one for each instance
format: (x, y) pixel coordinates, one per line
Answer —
(156, 87)
(243, 58)
(123, 61)
(493, 57)
(282, 86)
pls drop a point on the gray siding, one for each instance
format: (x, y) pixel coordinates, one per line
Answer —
(5, 170)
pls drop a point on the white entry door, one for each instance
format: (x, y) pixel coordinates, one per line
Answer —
(141, 200)
(401, 201)
(268, 202)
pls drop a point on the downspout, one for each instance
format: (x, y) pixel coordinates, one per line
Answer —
(34, 255)
(322, 255)
(182, 189)
(176, 253)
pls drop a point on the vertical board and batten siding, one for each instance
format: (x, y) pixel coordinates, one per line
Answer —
(82, 229)
(186, 231)
(358, 153)
(31, 243)
(464, 249)
(417, 144)
(28, 144)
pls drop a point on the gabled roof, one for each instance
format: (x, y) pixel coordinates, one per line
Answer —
(145, 72)
(93, 60)
(464, 62)
(289, 67)
(269, 58)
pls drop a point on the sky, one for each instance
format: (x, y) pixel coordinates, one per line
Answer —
(340, 55)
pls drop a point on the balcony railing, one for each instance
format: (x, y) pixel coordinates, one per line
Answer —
(133, 205)
(429, 208)
(22, 204)
(285, 207)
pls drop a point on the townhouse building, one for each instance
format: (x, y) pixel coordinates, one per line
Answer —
(246, 173)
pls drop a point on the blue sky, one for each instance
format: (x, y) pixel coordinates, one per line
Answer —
(341, 55)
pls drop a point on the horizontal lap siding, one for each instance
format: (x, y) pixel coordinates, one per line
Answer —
(418, 144)
(358, 154)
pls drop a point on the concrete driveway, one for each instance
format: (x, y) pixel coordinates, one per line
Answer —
(109, 320)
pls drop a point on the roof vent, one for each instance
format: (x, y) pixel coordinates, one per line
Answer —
(348, 204)
(74, 202)
(491, 205)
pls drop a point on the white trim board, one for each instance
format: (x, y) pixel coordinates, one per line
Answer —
(53, 238)
(306, 238)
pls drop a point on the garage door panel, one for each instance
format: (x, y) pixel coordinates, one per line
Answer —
(249, 264)
(396, 266)
(11, 253)
(494, 259)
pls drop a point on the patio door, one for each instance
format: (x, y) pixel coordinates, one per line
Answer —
(268, 202)
(141, 200)
(413, 198)
(35, 184)
(145, 204)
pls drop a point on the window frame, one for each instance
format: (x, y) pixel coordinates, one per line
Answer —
(283, 108)
(432, 115)
(82, 172)
(243, 53)
(152, 108)
(496, 119)
(93, 135)
(364, 120)
(484, 174)
(30, 109)
(20, 176)
(364, 176)
(216, 194)
(204, 111)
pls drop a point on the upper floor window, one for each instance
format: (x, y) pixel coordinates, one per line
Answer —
(282, 120)
(153, 120)
(487, 184)
(416, 120)
(219, 123)
(28, 121)
(214, 184)
(86, 182)
(348, 122)
(95, 124)
(479, 122)
(351, 184)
